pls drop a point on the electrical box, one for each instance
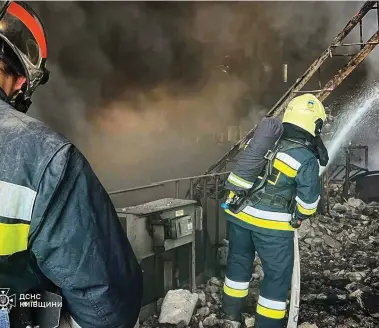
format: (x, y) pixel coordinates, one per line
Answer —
(156, 230)
(160, 225)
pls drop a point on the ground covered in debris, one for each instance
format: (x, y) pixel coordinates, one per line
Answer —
(339, 277)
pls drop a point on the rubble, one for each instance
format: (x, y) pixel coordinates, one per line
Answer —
(230, 324)
(248, 320)
(356, 203)
(339, 208)
(211, 321)
(331, 242)
(259, 272)
(203, 312)
(178, 307)
(339, 277)
(202, 301)
(216, 282)
(222, 253)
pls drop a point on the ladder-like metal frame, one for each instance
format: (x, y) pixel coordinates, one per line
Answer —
(324, 92)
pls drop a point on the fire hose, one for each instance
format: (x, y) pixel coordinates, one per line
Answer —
(293, 314)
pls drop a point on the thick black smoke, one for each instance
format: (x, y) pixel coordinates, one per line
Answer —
(135, 78)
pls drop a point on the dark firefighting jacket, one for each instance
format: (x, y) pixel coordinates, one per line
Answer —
(59, 229)
(293, 188)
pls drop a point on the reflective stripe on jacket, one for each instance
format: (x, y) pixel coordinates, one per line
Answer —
(295, 177)
(58, 227)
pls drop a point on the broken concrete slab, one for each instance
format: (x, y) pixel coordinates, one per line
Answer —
(356, 203)
(331, 242)
(178, 306)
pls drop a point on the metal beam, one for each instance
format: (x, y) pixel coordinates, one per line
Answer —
(349, 67)
(299, 84)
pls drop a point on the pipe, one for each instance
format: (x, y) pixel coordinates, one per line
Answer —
(161, 183)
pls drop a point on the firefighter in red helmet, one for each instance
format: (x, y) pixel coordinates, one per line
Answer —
(23, 51)
(60, 238)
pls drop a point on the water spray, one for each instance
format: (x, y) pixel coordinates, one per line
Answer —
(350, 122)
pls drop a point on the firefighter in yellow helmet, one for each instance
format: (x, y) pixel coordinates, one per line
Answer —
(265, 220)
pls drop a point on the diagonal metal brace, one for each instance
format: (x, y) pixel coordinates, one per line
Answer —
(299, 84)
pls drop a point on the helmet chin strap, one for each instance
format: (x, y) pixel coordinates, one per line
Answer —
(19, 101)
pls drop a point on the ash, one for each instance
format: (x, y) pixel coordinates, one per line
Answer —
(339, 276)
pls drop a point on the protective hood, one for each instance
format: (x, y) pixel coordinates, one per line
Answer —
(314, 143)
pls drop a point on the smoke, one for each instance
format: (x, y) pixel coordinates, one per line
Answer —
(145, 89)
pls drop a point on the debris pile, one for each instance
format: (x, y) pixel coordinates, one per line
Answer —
(339, 277)
(181, 308)
(340, 266)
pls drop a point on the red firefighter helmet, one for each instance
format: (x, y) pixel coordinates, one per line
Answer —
(23, 32)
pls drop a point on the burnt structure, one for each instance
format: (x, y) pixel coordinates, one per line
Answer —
(313, 72)
(207, 189)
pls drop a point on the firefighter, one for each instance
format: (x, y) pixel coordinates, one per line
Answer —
(267, 218)
(58, 228)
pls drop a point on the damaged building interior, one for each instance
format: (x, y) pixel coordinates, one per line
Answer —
(161, 97)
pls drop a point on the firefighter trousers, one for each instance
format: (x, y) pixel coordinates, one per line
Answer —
(277, 257)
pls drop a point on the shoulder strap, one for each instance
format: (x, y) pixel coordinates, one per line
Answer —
(298, 144)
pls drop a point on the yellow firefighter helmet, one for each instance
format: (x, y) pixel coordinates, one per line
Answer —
(306, 112)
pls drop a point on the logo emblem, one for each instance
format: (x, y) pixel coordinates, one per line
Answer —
(310, 104)
(7, 302)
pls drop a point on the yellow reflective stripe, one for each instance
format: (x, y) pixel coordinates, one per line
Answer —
(239, 182)
(284, 168)
(13, 238)
(269, 313)
(235, 292)
(267, 224)
(304, 211)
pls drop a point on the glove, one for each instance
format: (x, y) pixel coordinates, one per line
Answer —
(295, 222)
